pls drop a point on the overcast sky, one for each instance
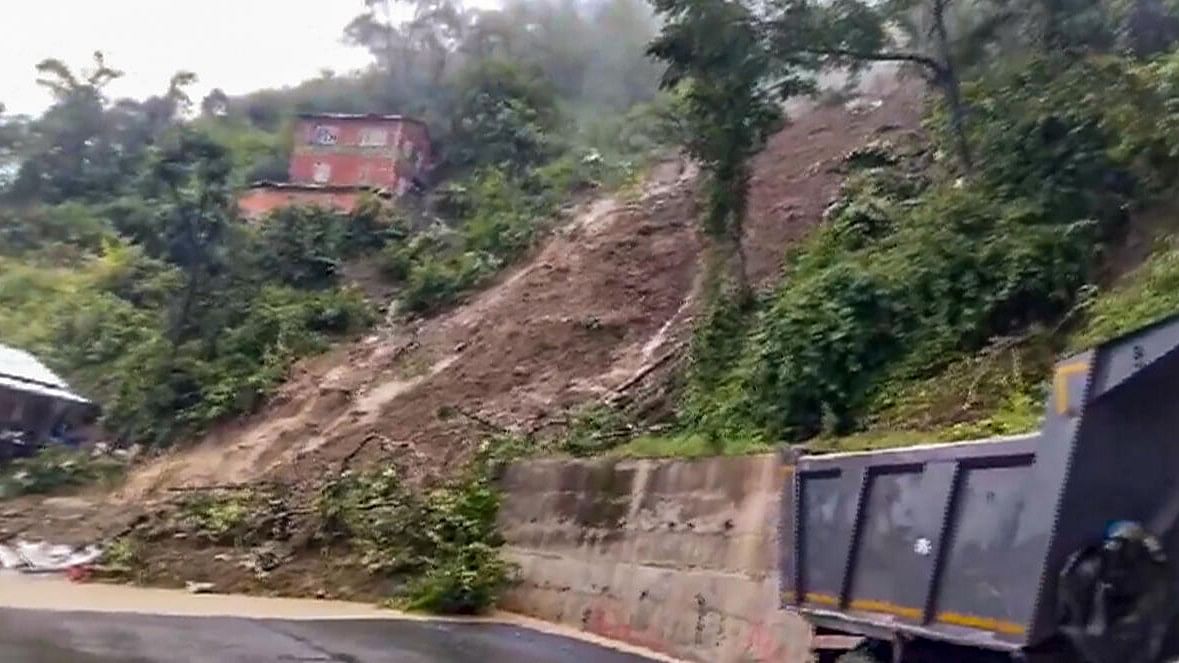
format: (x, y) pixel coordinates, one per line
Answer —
(237, 45)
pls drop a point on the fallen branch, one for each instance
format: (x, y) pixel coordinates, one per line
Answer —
(482, 421)
(545, 423)
(251, 485)
(347, 460)
(644, 372)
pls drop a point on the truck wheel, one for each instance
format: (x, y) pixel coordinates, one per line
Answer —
(861, 655)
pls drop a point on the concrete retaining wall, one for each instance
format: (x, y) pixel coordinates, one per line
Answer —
(676, 556)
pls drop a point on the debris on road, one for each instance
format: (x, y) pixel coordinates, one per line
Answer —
(44, 557)
(198, 587)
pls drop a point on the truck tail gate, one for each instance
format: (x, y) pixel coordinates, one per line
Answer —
(918, 534)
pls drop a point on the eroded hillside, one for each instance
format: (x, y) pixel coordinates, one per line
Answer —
(606, 297)
(601, 299)
(598, 305)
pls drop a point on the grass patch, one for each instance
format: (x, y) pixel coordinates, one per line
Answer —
(56, 470)
(1144, 296)
(689, 445)
(997, 391)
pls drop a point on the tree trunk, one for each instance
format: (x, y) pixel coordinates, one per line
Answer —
(725, 220)
(948, 80)
(953, 93)
(737, 234)
(181, 320)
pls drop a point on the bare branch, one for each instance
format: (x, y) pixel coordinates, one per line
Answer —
(881, 56)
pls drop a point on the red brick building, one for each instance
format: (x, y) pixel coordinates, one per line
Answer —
(336, 157)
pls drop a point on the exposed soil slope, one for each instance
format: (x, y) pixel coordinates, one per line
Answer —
(599, 303)
(584, 315)
(796, 176)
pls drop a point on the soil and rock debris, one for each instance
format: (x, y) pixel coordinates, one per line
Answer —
(594, 312)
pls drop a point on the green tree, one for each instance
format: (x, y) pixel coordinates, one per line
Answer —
(931, 36)
(303, 245)
(719, 52)
(190, 182)
(504, 116)
(85, 147)
(69, 152)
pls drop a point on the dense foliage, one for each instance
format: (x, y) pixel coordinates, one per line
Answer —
(124, 264)
(168, 353)
(131, 273)
(444, 543)
(916, 267)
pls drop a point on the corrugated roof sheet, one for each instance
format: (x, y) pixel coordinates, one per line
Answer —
(22, 371)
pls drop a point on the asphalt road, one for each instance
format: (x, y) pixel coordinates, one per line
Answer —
(35, 636)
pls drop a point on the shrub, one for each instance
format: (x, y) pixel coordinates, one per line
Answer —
(302, 246)
(68, 230)
(1146, 295)
(54, 469)
(121, 558)
(222, 519)
(444, 542)
(399, 257)
(432, 284)
(594, 430)
(466, 583)
(910, 273)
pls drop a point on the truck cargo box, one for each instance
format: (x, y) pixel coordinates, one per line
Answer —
(966, 542)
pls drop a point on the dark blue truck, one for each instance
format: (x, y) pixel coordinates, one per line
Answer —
(1055, 546)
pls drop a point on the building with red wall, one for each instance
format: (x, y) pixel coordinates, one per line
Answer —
(337, 156)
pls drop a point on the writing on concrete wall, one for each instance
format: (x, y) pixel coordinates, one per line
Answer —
(764, 645)
(603, 619)
(763, 642)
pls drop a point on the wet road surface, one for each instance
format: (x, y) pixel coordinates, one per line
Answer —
(37, 636)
